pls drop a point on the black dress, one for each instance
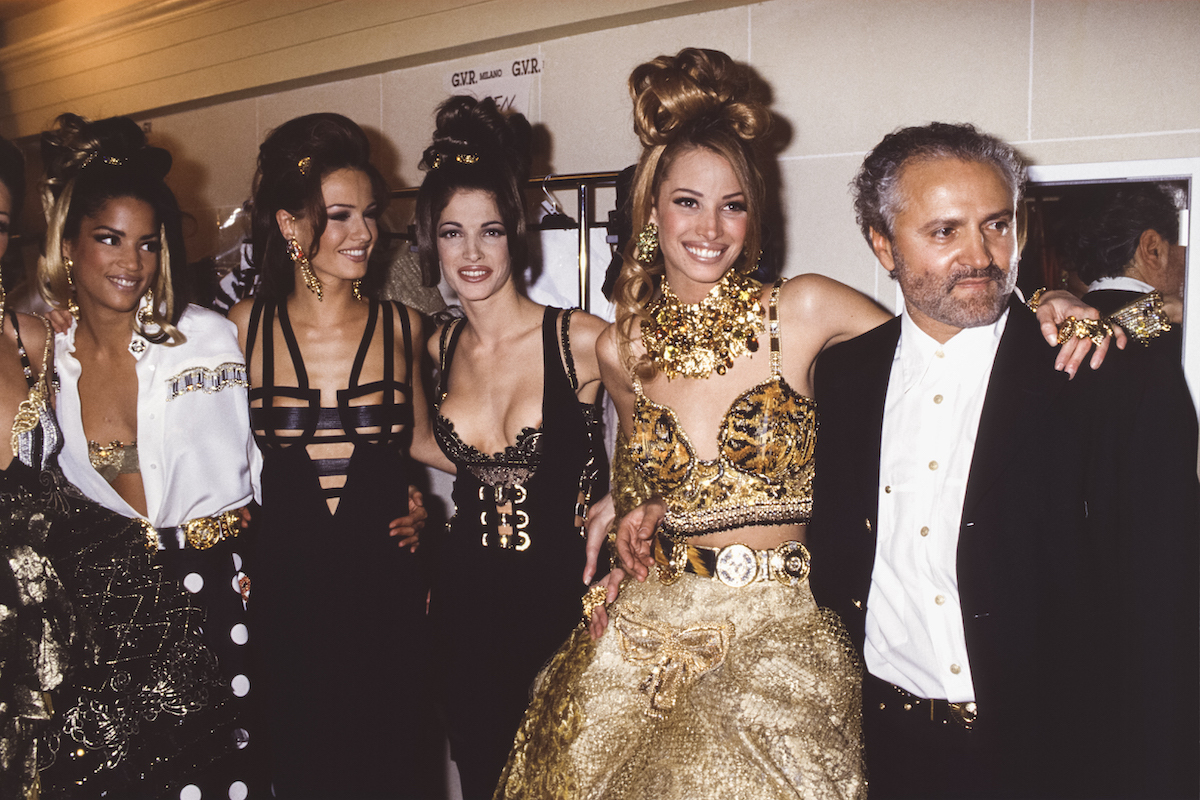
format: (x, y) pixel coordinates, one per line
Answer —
(338, 607)
(508, 573)
(140, 705)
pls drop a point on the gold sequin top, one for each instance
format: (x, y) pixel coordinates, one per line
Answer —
(761, 476)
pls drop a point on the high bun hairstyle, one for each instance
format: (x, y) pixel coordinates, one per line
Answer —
(292, 162)
(694, 99)
(89, 163)
(475, 148)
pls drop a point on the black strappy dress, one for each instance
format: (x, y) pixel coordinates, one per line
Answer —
(508, 573)
(339, 608)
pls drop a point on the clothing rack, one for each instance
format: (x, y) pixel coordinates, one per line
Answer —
(583, 182)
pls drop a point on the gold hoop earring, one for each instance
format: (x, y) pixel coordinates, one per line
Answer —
(646, 249)
(306, 271)
(356, 289)
(72, 306)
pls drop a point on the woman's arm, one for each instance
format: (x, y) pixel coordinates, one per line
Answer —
(424, 447)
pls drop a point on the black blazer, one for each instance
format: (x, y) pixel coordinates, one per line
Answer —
(1078, 554)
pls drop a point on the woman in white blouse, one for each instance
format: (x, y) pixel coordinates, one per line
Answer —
(152, 405)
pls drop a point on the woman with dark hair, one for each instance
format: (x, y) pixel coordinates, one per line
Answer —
(151, 407)
(515, 414)
(336, 399)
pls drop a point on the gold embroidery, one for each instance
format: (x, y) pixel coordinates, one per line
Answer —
(676, 656)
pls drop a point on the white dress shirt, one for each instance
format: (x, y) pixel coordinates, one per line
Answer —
(914, 625)
(195, 448)
(1121, 282)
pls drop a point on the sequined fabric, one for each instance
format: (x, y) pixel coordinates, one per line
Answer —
(763, 472)
(697, 690)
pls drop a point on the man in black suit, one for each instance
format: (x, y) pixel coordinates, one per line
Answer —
(1014, 553)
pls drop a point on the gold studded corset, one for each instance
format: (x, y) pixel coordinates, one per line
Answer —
(763, 472)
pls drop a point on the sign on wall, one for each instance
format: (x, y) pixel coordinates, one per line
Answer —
(510, 82)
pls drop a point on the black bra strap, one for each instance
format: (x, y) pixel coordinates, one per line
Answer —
(446, 346)
(406, 331)
(360, 357)
(289, 336)
(30, 378)
(569, 359)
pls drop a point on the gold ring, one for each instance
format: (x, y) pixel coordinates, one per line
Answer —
(593, 599)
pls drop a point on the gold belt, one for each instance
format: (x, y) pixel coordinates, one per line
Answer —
(734, 565)
(200, 533)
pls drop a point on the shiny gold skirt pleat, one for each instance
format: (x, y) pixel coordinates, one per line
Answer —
(697, 690)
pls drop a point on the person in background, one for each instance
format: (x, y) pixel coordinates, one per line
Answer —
(1129, 249)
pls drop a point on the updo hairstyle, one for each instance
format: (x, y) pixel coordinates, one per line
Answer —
(292, 162)
(88, 164)
(694, 99)
(475, 148)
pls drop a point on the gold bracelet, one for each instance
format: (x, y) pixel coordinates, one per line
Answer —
(1036, 299)
(1144, 319)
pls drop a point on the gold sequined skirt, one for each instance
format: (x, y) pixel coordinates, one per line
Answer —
(696, 690)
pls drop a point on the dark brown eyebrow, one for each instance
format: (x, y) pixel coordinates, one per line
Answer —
(738, 193)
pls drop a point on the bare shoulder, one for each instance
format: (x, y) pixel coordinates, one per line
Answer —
(585, 330)
(829, 309)
(240, 315)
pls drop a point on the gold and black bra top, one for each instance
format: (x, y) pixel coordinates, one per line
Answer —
(764, 469)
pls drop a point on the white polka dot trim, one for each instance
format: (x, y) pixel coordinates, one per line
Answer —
(193, 583)
(237, 561)
(238, 791)
(190, 792)
(240, 685)
(241, 738)
(239, 634)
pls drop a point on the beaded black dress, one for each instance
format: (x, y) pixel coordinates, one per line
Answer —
(508, 573)
(339, 606)
(107, 683)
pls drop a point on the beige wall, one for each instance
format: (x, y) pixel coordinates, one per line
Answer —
(1066, 80)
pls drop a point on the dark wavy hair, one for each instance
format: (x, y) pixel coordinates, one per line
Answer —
(877, 198)
(475, 148)
(325, 143)
(1107, 240)
(89, 163)
(12, 173)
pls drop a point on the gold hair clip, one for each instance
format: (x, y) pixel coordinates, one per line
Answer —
(113, 161)
(304, 164)
(461, 158)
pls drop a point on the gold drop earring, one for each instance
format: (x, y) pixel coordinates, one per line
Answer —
(356, 289)
(145, 314)
(306, 271)
(72, 306)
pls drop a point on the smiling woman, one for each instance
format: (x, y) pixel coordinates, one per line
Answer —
(159, 578)
(515, 414)
(336, 404)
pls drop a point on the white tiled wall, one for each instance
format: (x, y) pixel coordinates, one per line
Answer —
(1066, 80)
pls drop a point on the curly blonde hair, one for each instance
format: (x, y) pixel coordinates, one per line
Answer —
(693, 99)
(87, 164)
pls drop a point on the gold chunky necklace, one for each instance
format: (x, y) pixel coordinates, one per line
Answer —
(692, 340)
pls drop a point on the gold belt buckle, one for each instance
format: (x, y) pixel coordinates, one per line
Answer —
(789, 563)
(737, 565)
(964, 714)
